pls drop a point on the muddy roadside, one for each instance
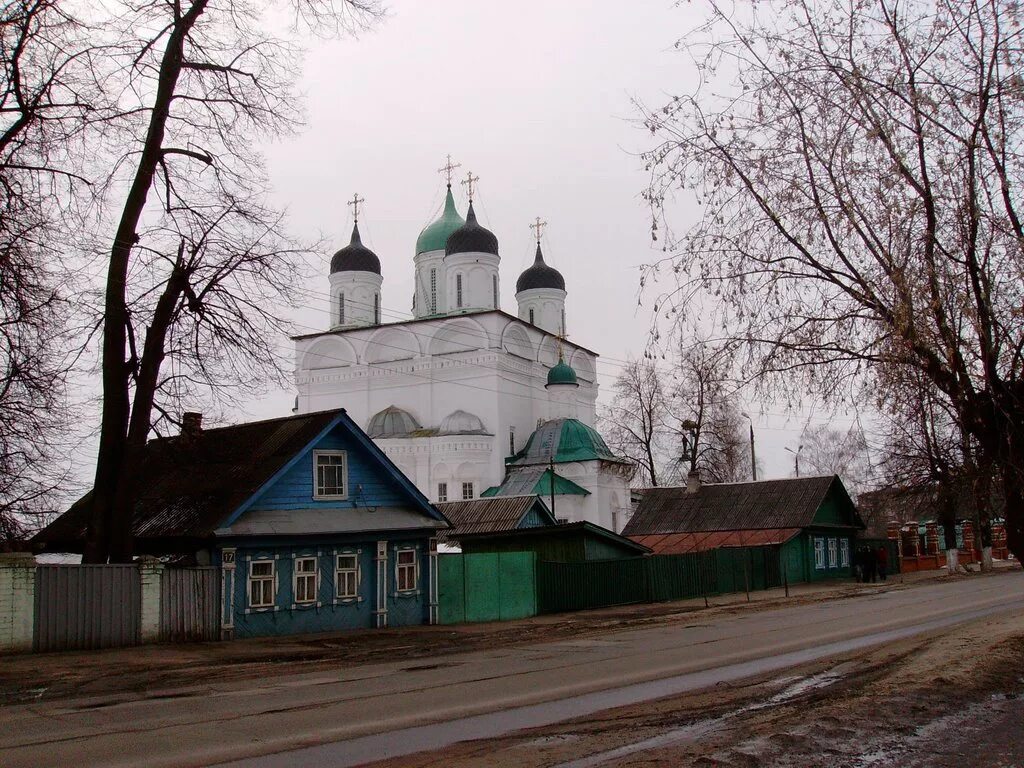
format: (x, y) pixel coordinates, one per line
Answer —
(158, 669)
(954, 698)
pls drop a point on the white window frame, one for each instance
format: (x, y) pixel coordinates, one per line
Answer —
(338, 571)
(833, 553)
(316, 475)
(442, 492)
(468, 485)
(271, 578)
(819, 553)
(305, 576)
(400, 567)
(844, 553)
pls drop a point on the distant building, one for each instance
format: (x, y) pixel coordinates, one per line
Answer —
(464, 390)
(812, 519)
(496, 514)
(313, 527)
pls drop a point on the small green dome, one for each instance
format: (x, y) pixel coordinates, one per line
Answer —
(562, 373)
(561, 441)
(434, 237)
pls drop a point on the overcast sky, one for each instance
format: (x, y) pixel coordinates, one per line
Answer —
(536, 99)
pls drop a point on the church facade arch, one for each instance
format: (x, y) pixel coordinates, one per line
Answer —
(459, 335)
(330, 352)
(388, 344)
(516, 339)
(548, 353)
(583, 364)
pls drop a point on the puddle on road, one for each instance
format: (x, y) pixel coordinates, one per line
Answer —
(795, 687)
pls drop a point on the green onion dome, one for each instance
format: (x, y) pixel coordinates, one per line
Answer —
(562, 373)
(435, 235)
(561, 441)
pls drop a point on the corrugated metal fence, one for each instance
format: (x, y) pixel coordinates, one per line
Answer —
(596, 584)
(190, 604)
(87, 606)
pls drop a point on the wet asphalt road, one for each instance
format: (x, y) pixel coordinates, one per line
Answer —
(348, 716)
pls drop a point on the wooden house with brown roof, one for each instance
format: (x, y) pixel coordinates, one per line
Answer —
(812, 520)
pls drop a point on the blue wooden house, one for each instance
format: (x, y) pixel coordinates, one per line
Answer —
(312, 525)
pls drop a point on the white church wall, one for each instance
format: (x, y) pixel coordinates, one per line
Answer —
(430, 296)
(392, 343)
(547, 306)
(477, 271)
(359, 289)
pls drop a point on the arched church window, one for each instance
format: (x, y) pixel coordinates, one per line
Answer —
(458, 291)
(433, 291)
(341, 309)
(531, 316)
(494, 289)
(376, 309)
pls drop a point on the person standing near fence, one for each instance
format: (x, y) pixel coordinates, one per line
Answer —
(883, 562)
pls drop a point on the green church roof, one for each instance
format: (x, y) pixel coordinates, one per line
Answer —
(435, 235)
(535, 481)
(563, 441)
(562, 373)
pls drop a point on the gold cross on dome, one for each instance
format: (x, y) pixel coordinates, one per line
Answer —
(468, 182)
(448, 168)
(538, 228)
(355, 203)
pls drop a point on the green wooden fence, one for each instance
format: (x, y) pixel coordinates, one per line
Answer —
(493, 586)
(597, 584)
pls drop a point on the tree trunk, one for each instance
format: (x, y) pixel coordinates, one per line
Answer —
(110, 532)
(1013, 494)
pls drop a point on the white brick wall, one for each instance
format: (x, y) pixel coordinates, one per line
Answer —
(17, 601)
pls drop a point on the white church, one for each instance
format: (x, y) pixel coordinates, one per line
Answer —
(467, 399)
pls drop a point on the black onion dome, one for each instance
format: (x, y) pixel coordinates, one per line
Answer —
(471, 238)
(540, 275)
(355, 257)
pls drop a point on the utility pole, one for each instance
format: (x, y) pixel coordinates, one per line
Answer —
(753, 456)
(796, 458)
(551, 469)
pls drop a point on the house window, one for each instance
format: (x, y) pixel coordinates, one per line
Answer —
(376, 309)
(341, 309)
(833, 556)
(329, 474)
(442, 491)
(305, 580)
(405, 570)
(531, 316)
(433, 291)
(458, 291)
(261, 583)
(844, 553)
(346, 577)
(511, 441)
(467, 491)
(819, 553)
(494, 289)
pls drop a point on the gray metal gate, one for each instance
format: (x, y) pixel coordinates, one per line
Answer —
(190, 604)
(87, 606)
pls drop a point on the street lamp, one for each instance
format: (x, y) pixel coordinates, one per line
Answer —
(753, 457)
(796, 458)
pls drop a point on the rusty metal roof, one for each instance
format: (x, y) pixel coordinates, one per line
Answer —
(767, 504)
(681, 543)
(188, 486)
(492, 514)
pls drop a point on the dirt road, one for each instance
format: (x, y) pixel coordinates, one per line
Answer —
(233, 719)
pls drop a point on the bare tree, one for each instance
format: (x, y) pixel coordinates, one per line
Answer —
(198, 260)
(48, 92)
(634, 423)
(860, 174)
(704, 415)
(829, 451)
